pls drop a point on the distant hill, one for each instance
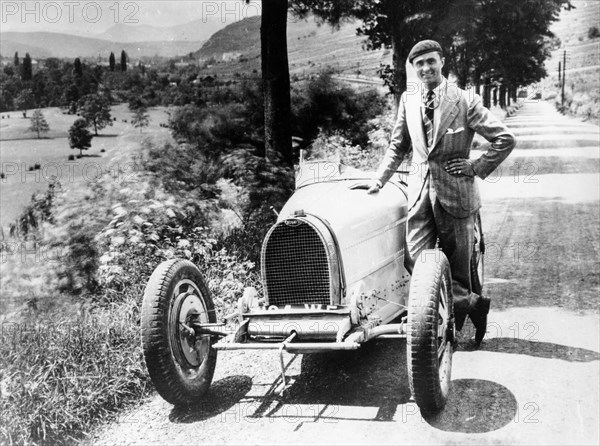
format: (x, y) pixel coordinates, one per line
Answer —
(582, 77)
(195, 31)
(9, 47)
(242, 36)
(572, 30)
(46, 44)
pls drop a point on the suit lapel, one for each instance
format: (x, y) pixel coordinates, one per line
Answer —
(448, 110)
(416, 123)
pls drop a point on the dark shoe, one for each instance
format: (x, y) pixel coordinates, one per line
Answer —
(479, 318)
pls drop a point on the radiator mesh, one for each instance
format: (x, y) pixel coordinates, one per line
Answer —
(296, 266)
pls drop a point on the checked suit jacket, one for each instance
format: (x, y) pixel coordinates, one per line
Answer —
(461, 117)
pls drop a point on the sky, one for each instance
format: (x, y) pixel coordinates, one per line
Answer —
(94, 17)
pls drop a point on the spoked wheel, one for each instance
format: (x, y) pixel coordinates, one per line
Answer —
(180, 364)
(430, 331)
(477, 257)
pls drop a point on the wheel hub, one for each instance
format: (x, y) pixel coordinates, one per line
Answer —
(188, 349)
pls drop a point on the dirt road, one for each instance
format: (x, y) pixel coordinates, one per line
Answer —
(535, 379)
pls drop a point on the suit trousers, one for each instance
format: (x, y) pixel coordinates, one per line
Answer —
(428, 222)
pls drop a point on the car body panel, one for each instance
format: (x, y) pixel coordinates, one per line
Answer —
(369, 229)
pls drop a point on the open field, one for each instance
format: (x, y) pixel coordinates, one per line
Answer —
(19, 151)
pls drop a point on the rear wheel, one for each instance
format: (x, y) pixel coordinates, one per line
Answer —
(430, 331)
(180, 364)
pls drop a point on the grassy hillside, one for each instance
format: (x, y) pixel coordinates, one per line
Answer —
(20, 149)
(582, 86)
(310, 47)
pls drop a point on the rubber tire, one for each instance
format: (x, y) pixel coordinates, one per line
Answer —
(164, 370)
(430, 275)
(477, 280)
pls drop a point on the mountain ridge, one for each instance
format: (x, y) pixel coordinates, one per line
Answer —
(71, 46)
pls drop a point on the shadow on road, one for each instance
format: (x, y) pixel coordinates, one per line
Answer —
(373, 376)
(376, 376)
(539, 349)
(476, 406)
(222, 395)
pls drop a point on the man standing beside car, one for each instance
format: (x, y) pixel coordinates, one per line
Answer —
(439, 122)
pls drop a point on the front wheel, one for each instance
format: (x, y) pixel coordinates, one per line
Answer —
(180, 364)
(430, 331)
(477, 257)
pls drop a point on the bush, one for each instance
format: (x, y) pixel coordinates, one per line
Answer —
(57, 385)
(325, 104)
(262, 184)
(337, 148)
(71, 157)
(582, 95)
(593, 32)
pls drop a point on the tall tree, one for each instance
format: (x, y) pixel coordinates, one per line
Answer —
(500, 42)
(141, 118)
(26, 68)
(79, 136)
(77, 69)
(123, 61)
(387, 24)
(482, 37)
(95, 109)
(276, 78)
(111, 61)
(39, 124)
(16, 59)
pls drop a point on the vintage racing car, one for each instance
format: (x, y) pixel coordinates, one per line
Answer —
(334, 277)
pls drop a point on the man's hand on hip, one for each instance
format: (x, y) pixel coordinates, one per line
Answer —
(460, 167)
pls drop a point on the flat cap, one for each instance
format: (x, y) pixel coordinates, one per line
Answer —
(422, 47)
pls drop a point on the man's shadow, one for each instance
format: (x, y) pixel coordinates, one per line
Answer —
(539, 349)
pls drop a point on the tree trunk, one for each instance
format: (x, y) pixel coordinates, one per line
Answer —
(400, 50)
(495, 96)
(276, 79)
(502, 96)
(399, 61)
(486, 94)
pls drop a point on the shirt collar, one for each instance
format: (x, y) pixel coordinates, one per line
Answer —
(439, 91)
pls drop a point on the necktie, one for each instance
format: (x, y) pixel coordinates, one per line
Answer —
(428, 119)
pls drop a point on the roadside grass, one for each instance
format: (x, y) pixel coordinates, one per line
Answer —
(63, 373)
(70, 361)
(582, 95)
